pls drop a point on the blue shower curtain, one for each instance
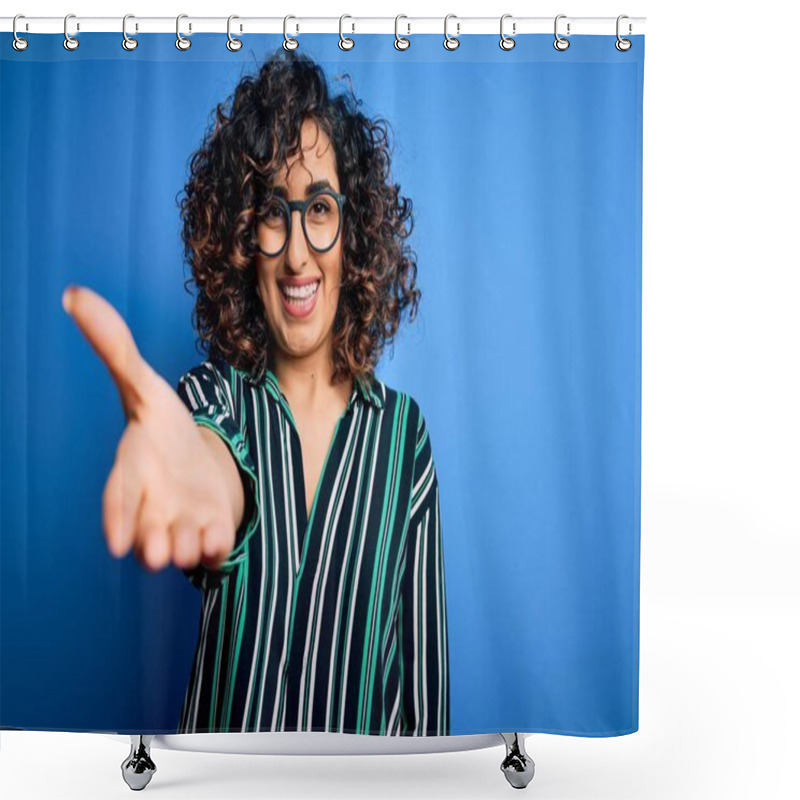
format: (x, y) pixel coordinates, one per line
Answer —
(524, 168)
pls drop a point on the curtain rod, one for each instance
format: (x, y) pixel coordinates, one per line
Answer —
(407, 25)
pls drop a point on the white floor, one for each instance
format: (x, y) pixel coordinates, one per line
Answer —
(719, 702)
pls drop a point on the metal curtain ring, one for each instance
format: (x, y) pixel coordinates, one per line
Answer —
(400, 42)
(128, 42)
(451, 42)
(561, 43)
(182, 43)
(19, 43)
(289, 43)
(70, 42)
(623, 44)
(345, 43)
(233, 44)
(506, 42)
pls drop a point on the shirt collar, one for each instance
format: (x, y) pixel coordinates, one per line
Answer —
(361, 388)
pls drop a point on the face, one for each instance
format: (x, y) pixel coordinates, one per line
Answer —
(302, 325)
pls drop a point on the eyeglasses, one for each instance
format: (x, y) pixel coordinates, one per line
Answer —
(321, 216)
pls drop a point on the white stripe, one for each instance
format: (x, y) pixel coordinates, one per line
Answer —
(290, 502)
(395, 710)
(348, 646)
(387, 531)
(326, 548)
(424, 583)
(260, 489)
(277, 549)
(440, 618)
(370, 416)
(385, 537)
(227, 388)
(197, 391)
(204, 637)
(415, 627)
(288, 527)
(421, 499)
(231, 677)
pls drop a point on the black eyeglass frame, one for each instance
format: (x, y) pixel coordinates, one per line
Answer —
(300, 205)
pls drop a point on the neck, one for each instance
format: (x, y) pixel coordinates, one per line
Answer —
(307, 380)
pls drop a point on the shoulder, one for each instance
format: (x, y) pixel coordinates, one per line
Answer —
(392, 397)
(405, 404)
(210, 381)
(215, 367)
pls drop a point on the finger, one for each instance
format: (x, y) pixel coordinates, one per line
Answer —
(111, 339)
(186, 543)
(125, 488)
(152, 544)
(217, 543)
(122, 499)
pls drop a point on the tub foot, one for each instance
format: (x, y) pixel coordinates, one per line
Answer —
(517, 766)
(138, 768)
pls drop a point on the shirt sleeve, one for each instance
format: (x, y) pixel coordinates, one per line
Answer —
(422, 612)
(207, 394)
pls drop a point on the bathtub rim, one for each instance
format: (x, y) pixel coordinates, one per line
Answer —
(317, 743)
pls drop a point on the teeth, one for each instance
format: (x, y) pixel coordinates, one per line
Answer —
(301, 292)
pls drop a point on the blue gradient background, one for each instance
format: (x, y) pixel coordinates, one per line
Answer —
(525, 172)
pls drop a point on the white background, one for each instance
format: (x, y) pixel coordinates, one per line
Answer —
(719, 672)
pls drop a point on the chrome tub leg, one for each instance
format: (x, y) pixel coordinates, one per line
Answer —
(517, 766)
(138, 768)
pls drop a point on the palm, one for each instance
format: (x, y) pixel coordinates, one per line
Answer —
(164, 496)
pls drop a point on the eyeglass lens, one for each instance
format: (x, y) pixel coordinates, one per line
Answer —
(321, 223)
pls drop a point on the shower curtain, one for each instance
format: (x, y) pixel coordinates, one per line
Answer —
(452, 548)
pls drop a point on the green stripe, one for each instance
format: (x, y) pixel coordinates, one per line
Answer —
(371, 468)
(364, 703)
(395, 484)
(241, 593)
(213, 704)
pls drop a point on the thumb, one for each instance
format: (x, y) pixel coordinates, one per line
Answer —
(112, 340)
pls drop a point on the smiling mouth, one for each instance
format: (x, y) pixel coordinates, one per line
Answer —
(299, 301)
(300, 295)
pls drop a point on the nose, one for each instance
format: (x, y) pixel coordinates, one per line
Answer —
(297, 249)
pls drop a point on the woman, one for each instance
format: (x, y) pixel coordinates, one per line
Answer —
(300, 495)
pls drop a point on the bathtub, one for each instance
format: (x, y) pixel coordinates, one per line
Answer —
(138, 767)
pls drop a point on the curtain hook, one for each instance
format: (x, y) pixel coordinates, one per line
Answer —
(451, 42)
(400, 42)
(18, 43)
(345, 43)
(507, 42)
(70, 42)
(128, 42)
(561, 43)
(623, 44)
(289, 43)
(182, 43)
(233, 44)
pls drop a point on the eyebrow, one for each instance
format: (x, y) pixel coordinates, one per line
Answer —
(310, 189)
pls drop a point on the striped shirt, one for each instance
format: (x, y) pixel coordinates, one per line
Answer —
(334, 623)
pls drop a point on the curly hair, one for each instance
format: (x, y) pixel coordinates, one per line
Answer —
(238, 161)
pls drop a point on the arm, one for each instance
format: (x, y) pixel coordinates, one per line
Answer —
(423, 609)
(233, 477)
(206, 392)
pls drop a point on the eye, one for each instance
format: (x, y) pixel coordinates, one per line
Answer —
(272, 210)
(320, 207)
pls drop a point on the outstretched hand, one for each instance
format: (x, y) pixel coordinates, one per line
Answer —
(166, 496)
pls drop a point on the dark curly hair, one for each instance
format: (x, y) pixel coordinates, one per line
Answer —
(238, 162)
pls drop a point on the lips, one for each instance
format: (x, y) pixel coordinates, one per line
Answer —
(296, 281)
(299, 297)
(300, 291)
